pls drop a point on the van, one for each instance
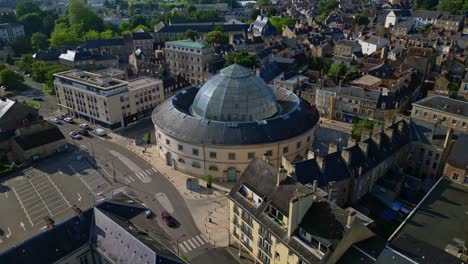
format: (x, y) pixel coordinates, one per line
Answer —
(99, 132)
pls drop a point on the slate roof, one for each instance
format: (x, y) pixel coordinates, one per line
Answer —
(426, 14)
(5, 106)
(43, 137)
(141, 35)
(76, 55)
(203, 28)
(99, 43)
(359, 92)
(174, 118)
(440, 218)
(458, 157)
(445, 104)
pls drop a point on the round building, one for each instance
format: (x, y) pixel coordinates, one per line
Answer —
(234, 117)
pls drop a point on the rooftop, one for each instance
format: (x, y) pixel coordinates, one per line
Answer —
(445, 104)
(142, 82)
(457, 156)
(438, 221)
(187, 43)
(101, 81)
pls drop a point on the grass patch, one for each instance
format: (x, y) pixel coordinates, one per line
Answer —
(6, 168)
(34, 104)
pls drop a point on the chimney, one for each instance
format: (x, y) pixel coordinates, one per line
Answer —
(314, 185)
(365, 135)
(377, 138)
(351, 142)
(281, 176)
(351, 217)
(364, 148)
(332, 148)
(448, 137)
(266, 158)
(389, 133)
(320, 162)
(310, 154)
(346, 155)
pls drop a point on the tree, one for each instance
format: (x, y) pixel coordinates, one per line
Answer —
(209, 180)
(263, 2)
(92, 34)
(48, 24)
(217, 37)
(80, 14)
(361, 126)
(32, 23)
(123, 26)
(63, 35)
(318, 64)
(453, 6)
(27, 7)
(21, 45)
(362, 20)
(279, 23)
(454, 87)
(242, 58)
(8, 59)
(351, 74)
(325, 7)
(140, 28)
(39, 41)
(138, 20)
(254, 14)
(11, 79)
(337, 70)
(25, 63)
(108, 34)
(191, 34)
(148, 138)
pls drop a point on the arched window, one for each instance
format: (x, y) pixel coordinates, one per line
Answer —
(213, 168)
(196, 165)
(181, 160)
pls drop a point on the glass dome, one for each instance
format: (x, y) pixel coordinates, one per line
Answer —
(235, 95)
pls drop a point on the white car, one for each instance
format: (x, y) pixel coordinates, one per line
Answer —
(60, 116)
(74, 135)
(55, 120)
(68, 119)
(99, 132)
(84, 126)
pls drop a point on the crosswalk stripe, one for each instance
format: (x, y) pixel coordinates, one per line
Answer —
(191, 243)
(148, 171)
(139, 175)
(155, 169)
(195, 241)
(187, 245)
(131, 179)
(183, 248)
(206, 240)
(144, 173)
(127, 180)
(201, 240)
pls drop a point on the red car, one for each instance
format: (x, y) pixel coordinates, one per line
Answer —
(170, 221)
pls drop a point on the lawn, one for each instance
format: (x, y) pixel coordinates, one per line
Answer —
(34, 104)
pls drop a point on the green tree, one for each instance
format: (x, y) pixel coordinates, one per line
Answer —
(63, 35)
(27, 7)
(209, 180)
(453, 6)
(263, 2)
(254, 14)
(80, 14)
(48, 24)
(123, 26)
(8, 59)
(351, 74)
(361, 126)
(39, 41)
(337, 70)
(217, 37)
(148, 138)
(138, 20)
(21, 45)
(108, 34)
(242, 58)
(141, 27)
(191, 34)
(92, 34)
(325, 7)
(25, 63)
(11, 79)
(32, 22)
(454, 87)
(279, 23)
(362, 20)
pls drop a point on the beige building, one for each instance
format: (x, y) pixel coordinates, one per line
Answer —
(447, 112)
(190, 59)
(276, 219)
(220, 128)
(105, 101)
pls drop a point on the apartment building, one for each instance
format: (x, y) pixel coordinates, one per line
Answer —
(457, 161)
(446, 112)
(8, 31)
(276, 219)
(106, 101)
(190, 59)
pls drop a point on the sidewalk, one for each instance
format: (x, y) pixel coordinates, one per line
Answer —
(208, 206)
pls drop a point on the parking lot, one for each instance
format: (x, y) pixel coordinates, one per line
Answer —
(39, 197)
(96, 183)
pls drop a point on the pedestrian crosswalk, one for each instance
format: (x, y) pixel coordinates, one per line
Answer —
(193, 243)
(143, 176)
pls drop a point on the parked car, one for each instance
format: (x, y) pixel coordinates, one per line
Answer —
(38, 99)
(55, 120)
(167, 217)
(68, 119)
(74, 135)
(84, 132)
(60, 116)
(99, 132)
(84, 126)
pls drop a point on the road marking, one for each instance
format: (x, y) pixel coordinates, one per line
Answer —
(187, 245)
(6, 194)
(22, 225)
(200, 240)
(58, 190)
(79, 197)
(44, 227)
(139, 175)
(21, 203)
(164, 201)
(131, 179)
(149, 171)
(127, 180)
(144, 173)
(155, 170)
(40, 197)
(195, 241)
(183, 248)
(9, 233)
(191, 243)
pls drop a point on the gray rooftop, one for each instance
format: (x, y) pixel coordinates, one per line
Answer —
(235, 94)
(445, 104)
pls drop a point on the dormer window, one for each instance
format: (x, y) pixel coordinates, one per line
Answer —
(276, 215)
(250, 195)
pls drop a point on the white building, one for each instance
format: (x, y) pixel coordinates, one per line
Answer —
(370, 43)
(425, 17)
